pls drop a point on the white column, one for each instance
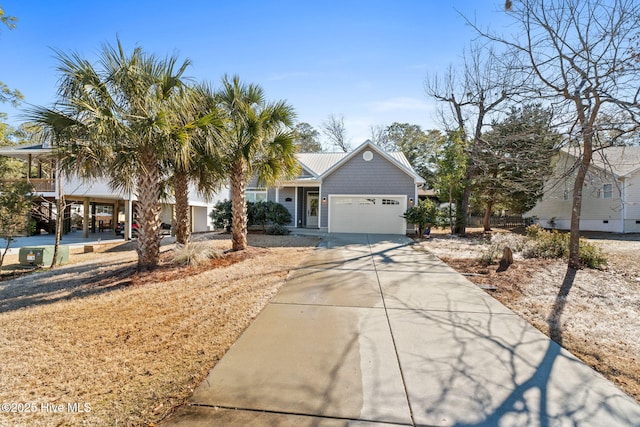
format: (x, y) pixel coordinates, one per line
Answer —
(128, 207)
(295, 203)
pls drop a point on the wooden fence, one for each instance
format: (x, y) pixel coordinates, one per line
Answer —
(498, 221)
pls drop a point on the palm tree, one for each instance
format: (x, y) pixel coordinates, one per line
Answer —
(258, 141)
(197, 152)
(114, 120)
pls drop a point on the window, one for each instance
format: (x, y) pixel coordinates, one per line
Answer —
(367, 201)
(344, 201)
(256, 195)
(390, 202)
(565, 195)
(104, 209)
(607, 191)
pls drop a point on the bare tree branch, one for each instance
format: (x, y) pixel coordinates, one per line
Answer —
(335, 130)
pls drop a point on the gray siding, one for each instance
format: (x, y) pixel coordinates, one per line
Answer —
(288, 192)
(357, 176)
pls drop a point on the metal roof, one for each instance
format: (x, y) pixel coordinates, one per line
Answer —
(621, 161)
(319, 163)
(23, 151)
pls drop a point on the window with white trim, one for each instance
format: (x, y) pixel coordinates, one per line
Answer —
(607, 191)
(256, 195)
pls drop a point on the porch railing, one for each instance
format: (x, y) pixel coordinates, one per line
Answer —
(40, 185)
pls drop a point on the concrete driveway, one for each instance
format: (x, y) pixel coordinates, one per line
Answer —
(371, 331)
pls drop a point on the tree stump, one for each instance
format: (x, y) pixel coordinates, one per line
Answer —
(506, 260)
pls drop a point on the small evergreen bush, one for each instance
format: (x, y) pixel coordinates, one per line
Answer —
(554, 244)
(591, 255)
(422, 215)
(277, 230)
(221, 214)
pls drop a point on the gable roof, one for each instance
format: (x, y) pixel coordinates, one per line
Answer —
(622, 161)
(323, 164)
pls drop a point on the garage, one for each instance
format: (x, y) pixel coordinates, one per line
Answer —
(367, 214)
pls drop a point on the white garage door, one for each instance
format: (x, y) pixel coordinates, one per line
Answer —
(367, 214)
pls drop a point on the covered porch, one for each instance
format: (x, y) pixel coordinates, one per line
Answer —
(303, 203)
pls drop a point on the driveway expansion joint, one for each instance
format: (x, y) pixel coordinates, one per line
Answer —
(299, 414)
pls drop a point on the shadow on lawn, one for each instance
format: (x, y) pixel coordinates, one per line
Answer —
(41, 288)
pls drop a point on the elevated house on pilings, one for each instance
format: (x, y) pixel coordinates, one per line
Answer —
(92, 207)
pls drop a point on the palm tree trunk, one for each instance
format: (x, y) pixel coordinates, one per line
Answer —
(148, 211)
(183, 219)
(238, 206)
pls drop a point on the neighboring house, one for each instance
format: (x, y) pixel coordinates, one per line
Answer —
(365, 191)
(95, 207)
(611, 193)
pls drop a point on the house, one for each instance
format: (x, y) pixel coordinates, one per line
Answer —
(93, 206)
(365, 191)
(611, 193)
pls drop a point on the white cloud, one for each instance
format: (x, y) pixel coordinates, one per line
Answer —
(400, 103)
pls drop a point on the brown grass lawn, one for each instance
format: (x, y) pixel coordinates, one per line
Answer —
(124, 348)
(601, 320)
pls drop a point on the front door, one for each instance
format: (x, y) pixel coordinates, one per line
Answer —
(312, 210)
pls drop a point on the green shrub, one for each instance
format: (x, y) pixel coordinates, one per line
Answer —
(534, 231)
(591, 255)
(259, 213)
(546, 244)
(554, 244)
(221, 214)
(278, 230)
(195, 254)
(279, 215)
(422, 215)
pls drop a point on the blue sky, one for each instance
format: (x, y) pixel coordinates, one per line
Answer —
(366, 60)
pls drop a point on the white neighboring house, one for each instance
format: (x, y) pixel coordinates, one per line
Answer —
(611, 193)
(100, 208)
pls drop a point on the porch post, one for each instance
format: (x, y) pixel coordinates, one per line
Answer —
(85, 217)
(127, 218)
(29, 168)
(295, 203)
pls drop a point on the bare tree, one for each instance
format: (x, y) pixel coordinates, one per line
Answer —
(472, 96)
(583, 58)
(379, 136)
(335, 130)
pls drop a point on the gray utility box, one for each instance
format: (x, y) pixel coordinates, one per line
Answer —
(42, 255)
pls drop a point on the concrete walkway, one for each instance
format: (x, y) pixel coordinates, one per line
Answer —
(372, 332)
